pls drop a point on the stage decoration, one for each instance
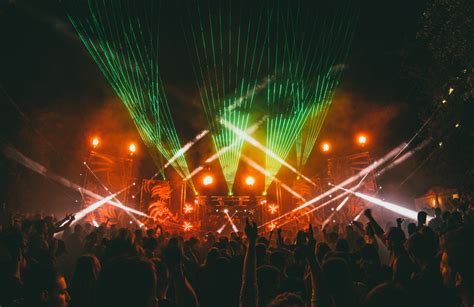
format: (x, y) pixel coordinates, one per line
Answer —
(272, 208)
(187, 226)
(187, 208)
(122, 37)
(226, 43)
(155, 195)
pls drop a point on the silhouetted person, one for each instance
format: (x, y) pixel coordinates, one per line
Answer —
(85, 281)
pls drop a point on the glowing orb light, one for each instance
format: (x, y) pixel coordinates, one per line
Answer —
(95, 142)
(207, 180)
(250, 181)
(326, 147)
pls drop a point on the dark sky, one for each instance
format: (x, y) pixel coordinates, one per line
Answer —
(59, 97)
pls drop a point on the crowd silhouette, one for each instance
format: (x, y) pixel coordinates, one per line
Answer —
(49, 263)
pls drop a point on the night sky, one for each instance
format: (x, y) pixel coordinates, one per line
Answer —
(54, 98)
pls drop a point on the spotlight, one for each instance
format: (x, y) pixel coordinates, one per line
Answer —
(325, 147)
(132, 148)
(250, 181)
(362, 140)
(226, 210)
(207, 180)
(95, 142)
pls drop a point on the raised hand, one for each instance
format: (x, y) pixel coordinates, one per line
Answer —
(368, 213)
(310, 247)
(251, 231)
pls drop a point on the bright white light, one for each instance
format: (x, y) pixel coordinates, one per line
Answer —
(411, 214)
(267, 151)
(207, 180)
(250, 181)
(186, 147)
(262, 170)
(226, 210)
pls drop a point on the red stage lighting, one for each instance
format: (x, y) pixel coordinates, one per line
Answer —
(250, 181)
(132, 148)
(95, 142)
(362, 140)
(325, 147)
(207, 180)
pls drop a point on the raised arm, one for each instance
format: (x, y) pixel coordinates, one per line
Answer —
(63, 224)
(249, 290)
(373, 223)
(184, 292)
(315, 269)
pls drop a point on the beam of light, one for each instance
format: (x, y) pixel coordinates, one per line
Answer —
(14, 154)
(362, 174)
(404, 157)
(234, 228)
(263, 171)
(420, 165)
(307, 52)
(416, 133)
(94, 222)
(81, 214)
(226, 57)
(411, 214)
(140, 224)
(267, 151)
(328, 202)
(221, 229)
(212, 158)
(339, 207)
(357, 217)
(125, 48)
(185, 148)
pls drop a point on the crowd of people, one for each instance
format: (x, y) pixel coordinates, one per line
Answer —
(44, 262)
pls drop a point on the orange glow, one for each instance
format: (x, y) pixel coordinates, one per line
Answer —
(362, 140)
(132, 148)
(272, 226)
(188, 208)
(207, 180)
(326, 147)
(250, 181)
(95, 142)
(272, 208)
(187, 226)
